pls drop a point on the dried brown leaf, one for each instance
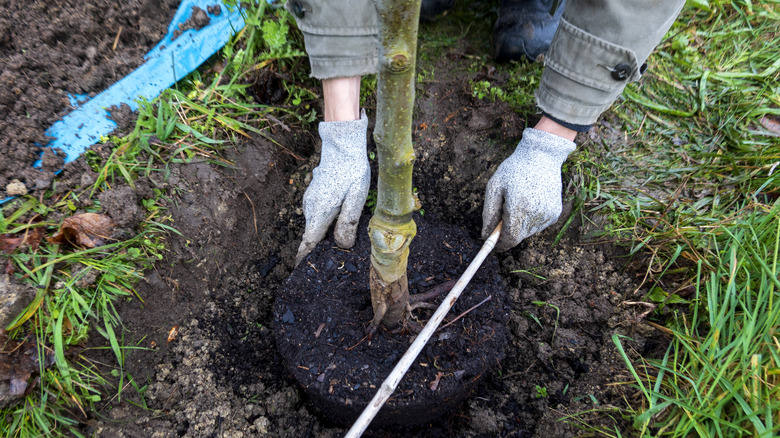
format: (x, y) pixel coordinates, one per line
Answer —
(173, 333)
(770, 124)
(9, 242)
(31, 237)
(34, 237)
(86, 229)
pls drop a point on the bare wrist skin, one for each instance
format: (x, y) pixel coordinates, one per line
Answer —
(341, 98)
(548, 125)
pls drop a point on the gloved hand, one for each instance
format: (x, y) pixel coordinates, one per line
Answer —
(341, 181)
(526, 188)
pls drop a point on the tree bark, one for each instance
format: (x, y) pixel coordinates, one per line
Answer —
(392, 229)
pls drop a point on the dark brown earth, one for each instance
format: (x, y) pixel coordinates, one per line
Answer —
(222, 376)
(52, 49)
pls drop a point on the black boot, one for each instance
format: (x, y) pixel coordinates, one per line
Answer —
(431, 8)
(524, 29)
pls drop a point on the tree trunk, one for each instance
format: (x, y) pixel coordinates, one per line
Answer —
(391, 228)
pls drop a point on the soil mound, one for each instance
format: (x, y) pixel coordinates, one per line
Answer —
(323, 308)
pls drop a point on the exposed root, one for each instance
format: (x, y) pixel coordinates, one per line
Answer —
(407, 326)
(388, 301)
(433, 292)
(380, 310)
(420, 304)
(414, 326)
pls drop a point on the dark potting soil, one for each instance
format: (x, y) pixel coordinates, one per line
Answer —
(324, 307)
(52, 49)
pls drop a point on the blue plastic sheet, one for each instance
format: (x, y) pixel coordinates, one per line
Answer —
(166, 63)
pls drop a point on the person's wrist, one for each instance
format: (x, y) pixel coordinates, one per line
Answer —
(549, 125)
(341, 98)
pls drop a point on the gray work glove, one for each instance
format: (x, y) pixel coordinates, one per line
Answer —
(526, 189)
(340, 182)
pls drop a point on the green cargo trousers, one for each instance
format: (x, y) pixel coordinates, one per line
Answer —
(599, 47)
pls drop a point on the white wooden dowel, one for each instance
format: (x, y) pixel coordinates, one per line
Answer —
(392, 380)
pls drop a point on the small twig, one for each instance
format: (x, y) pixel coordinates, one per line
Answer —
(254, 214)
(18, 346)
(639, 303)
(660, 328)
(173, 392)
(650, 307)
(319, 330)
(116, 40)
(641, 125)
(359, 342)
(115, 396)
(278, 122)
(446, 95)
(490, 297)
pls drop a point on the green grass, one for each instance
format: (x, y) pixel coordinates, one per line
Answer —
(692, 190)
(65, 309)
(78, 288)
(694, 148)
(721, 373)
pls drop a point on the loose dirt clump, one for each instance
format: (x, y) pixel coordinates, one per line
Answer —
(198, 20)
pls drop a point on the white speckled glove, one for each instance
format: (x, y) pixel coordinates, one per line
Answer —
(526, 188)
(340, 182)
